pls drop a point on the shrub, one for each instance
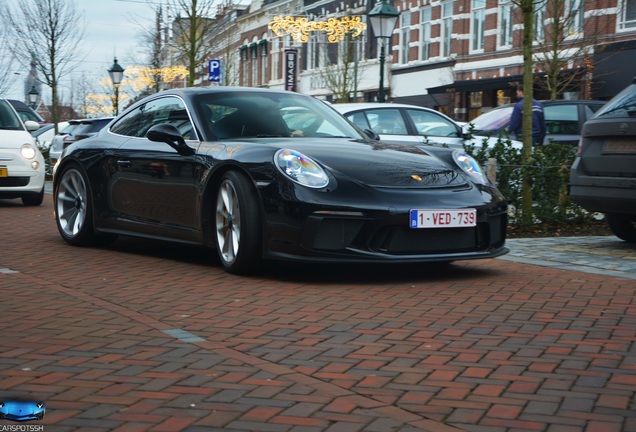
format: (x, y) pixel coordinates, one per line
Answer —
(549, 172)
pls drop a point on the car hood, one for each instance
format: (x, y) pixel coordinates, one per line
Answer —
(14, 139)
(377, 163)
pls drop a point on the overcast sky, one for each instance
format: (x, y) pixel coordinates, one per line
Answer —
(112, 29)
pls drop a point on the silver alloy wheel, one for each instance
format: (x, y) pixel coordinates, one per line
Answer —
(72, 198)
(228, 221)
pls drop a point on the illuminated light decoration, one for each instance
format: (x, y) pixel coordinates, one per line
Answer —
(299, 27)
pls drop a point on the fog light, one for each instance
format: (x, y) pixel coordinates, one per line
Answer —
(35, 165)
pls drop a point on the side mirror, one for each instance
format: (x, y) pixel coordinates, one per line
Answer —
(169, 134)
(372, 134)
(31, 125)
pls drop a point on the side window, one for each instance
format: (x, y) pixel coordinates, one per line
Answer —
(163, 110)
(387, 121)
(432, 124)
(562, 119)
(128, 125)
(360, 120)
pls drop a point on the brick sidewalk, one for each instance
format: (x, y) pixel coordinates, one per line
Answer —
(147, 336)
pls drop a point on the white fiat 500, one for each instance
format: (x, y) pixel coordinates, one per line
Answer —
(21, 162)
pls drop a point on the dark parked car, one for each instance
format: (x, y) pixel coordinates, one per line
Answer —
(564, 120)
(18, 410)
(26, 112)
(603, 176)
(261, 174)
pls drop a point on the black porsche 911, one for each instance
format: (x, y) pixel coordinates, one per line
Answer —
(271, 175)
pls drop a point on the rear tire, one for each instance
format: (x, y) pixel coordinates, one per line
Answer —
(237, 224)
(74, 210)
(623, 226)
(33, 199)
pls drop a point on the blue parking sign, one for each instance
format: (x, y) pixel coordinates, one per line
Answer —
(214, 70)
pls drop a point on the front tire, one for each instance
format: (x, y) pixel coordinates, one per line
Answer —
(237, 224)
(74, 210)
(623, 226)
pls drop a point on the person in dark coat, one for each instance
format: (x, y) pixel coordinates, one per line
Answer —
(538, 119)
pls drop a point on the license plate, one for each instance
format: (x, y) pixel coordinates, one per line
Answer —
(443, 218)
(625, 145)
(4, 172)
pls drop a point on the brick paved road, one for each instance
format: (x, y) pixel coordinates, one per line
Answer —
(146, 336)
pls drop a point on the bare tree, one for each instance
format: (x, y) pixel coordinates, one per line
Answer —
(567, 37)
(82, 87)
(153, 46)
(527, 9)
(340, 73)
(7, 78)
(192, 31)
(50, 30)
(223, 41)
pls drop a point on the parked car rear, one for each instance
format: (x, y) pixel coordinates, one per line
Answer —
(603, 176)
(75, 131)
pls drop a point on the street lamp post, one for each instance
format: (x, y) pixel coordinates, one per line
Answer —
(383, 18)
(33, 97)
(116, 73)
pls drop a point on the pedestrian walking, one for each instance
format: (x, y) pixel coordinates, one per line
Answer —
(538, 119)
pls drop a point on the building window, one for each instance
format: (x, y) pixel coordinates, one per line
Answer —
(425, 33)
(447, 28)
(539, 23)
(405, 36)
(506, 21)
(312, 52)
(627, 15)
(576, 17)
(477, 24)
(275, 58)
(262, 47)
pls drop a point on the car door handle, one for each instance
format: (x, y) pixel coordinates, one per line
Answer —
(124, 163)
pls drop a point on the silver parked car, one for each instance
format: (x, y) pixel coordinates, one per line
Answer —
(411, 124)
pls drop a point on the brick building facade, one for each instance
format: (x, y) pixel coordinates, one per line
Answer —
(459, 56)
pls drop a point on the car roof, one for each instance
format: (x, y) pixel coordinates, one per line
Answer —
(370, 105)
(21, 106)
(559, 102)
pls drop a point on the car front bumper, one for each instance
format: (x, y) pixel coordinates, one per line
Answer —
(20, 176)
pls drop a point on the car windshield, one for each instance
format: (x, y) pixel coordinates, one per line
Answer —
(622, 105)
(238, 114)
(494, 120)
(8, 118)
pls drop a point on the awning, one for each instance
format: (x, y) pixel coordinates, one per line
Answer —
(478, 84)
(609, 79)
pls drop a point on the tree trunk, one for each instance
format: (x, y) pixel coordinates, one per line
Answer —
(527, 7)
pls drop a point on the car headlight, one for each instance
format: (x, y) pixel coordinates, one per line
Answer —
(28, 151)
(300, 169)
(470, 166)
